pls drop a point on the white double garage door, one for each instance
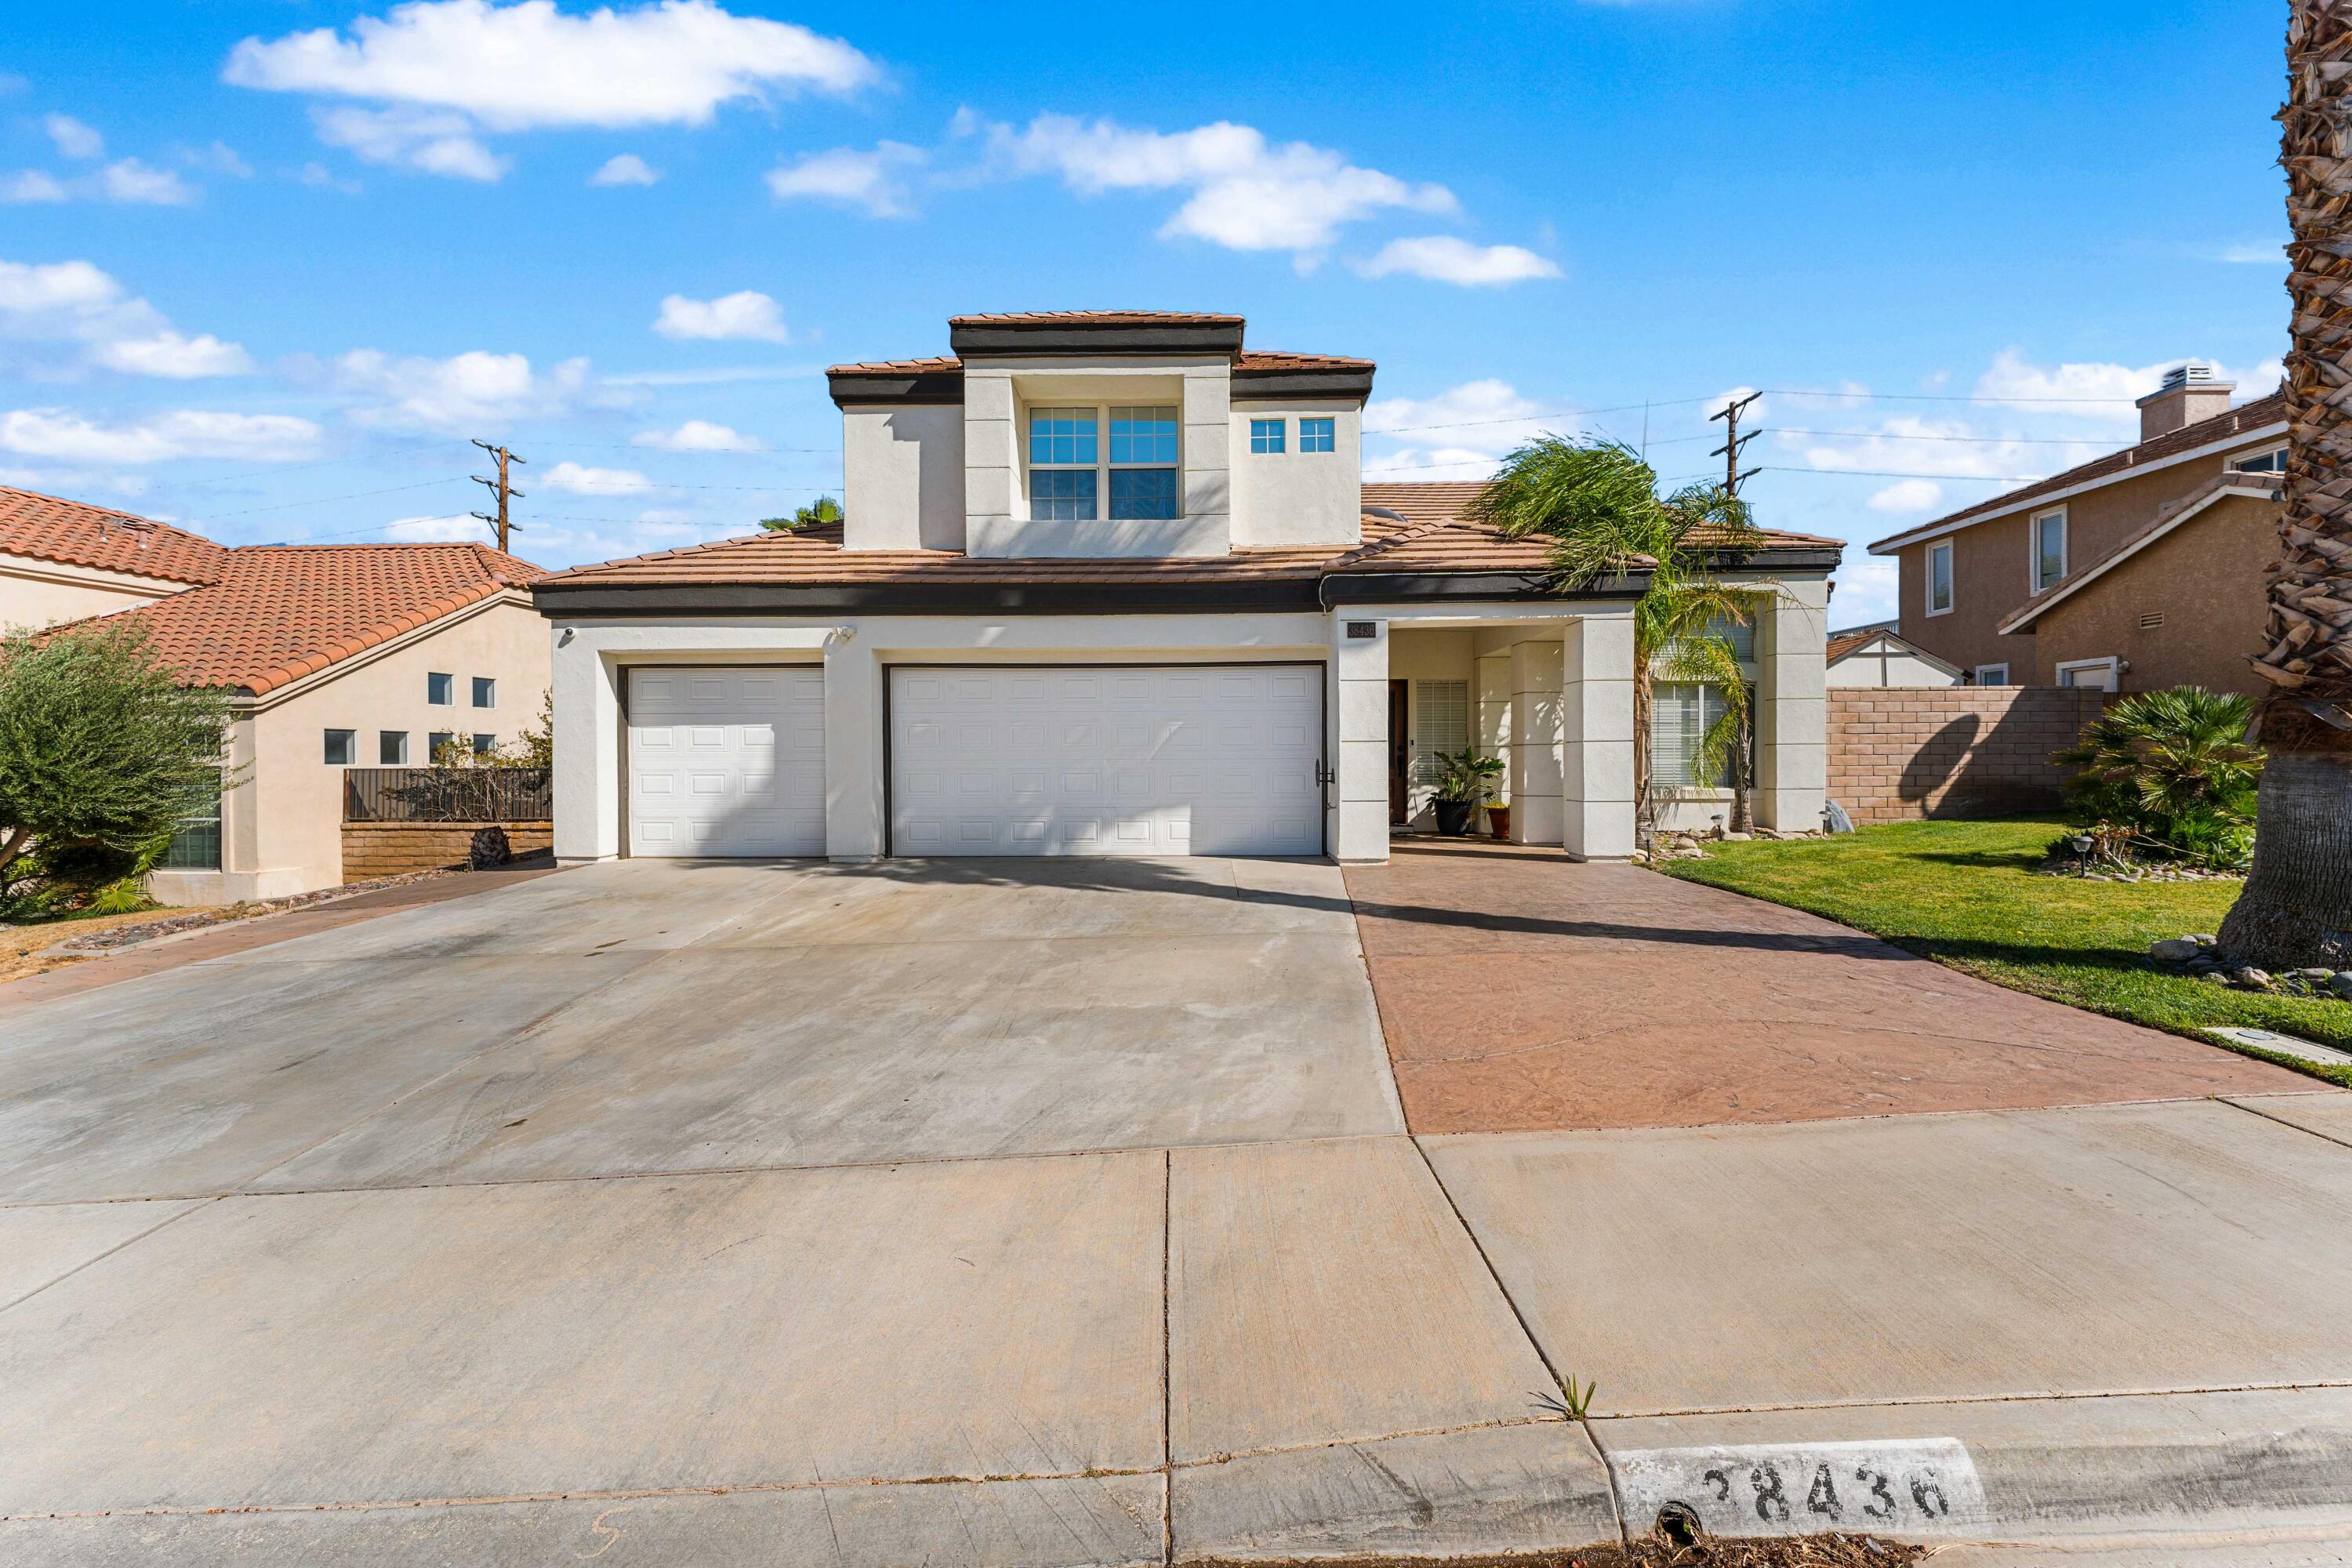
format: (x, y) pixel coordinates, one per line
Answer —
(1017, 760)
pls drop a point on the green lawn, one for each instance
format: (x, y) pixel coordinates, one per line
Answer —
(1962, 894)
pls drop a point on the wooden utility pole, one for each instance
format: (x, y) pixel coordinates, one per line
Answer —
(500, 487)
(1734, 441)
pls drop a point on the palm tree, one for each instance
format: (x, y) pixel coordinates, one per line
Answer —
(2296, 909)
(1597, 502)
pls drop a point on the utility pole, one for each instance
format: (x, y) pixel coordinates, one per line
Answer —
(500, 487)
(1734, 441)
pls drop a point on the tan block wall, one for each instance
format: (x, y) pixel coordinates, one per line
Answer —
(395, 848)
(1898, 755)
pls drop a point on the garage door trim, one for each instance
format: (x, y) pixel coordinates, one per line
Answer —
(890, 764)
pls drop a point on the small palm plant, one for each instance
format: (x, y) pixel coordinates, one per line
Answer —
(2175, 767)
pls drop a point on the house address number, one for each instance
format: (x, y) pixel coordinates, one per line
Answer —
(1364, 629)
(1914, 1486)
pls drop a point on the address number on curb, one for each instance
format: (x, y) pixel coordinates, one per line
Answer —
(1910, 1486)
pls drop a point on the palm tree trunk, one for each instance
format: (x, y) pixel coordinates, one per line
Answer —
(1743, 782)
(1645, 816)
(2296, 909)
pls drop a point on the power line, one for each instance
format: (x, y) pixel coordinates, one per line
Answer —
(500, 487)
(322, 501)
(1885, 474)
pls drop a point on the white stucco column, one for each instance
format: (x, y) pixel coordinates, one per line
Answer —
(1535, 760)
(1792, 707)
(587, 691)
(1360, 739)
(855, 828)
(1596, 706)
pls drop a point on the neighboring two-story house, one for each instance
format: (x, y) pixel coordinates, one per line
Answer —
(2141, 570)
(1109, 584)
(333, 656)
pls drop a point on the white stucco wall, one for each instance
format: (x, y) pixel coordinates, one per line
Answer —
(35, 594)
(281, 819)
(902, 477)
(1293, 497)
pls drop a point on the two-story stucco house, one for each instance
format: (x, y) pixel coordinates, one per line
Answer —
(1109, 584)
(2138, 571)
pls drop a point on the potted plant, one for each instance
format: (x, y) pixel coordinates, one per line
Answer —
(1498, 818)
(1461, 784)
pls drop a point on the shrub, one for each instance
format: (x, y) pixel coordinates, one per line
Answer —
(2174, 769)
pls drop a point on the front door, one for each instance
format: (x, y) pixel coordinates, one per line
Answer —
(1400, 747)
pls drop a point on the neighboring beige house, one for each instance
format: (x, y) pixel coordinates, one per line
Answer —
(335, 656)
(2140, 569)
(1875, 656)
(1110, 583)
(60, 561)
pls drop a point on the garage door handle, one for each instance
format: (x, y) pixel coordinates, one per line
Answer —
(1325, 774)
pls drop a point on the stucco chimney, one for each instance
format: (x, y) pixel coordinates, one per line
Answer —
(2191, 391)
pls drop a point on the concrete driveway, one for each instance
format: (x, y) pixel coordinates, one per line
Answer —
(1063, 1213)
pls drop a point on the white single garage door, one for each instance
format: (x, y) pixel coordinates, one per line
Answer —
(1150, 760)
(727, 761)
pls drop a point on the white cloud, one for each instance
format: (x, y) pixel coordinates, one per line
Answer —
(175, 357)
(458, 394)
(2273, 255)
(441, 144)
(31, 185)
(595, 481)
(129, 180)
(872, 182)
(220, 158)
(185, 432)
(624, 169)
(73, 139)
(1907, 496)
(75, 302)
(460, 529)
(493, 67)
(1242, 193)
(1444, 258)
(1486, 417)
(318, 175)
(700, 436)
(746, 313)
(1867, 586)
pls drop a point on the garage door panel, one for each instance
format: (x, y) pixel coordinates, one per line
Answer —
(1146, 761)
(727, 761)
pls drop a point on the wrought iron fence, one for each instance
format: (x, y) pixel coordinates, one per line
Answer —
(449, 794)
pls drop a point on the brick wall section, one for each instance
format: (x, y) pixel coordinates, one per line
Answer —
(394, 849)
(1899, 754)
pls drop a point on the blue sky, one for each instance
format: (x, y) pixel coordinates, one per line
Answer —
(265, 267)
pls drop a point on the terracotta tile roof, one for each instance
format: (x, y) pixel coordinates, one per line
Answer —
(1426, 501)
(278, 612)
(2247, 418)
(1098, 318)
(48, 528)
(1248, 359)
(1846, 643)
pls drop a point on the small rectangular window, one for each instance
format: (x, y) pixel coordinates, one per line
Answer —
(437, 745)
(1061, 495)
(2271, 462)
(1319, 435)
(440, 691)
(1143, 435)
(391, 748)
(485, 744)
(1143, 493)
(196, 839)
(2049, 549)
(1992, 675)
(486, 691)
(1265, 434)
(342, 748)
(1939, 578)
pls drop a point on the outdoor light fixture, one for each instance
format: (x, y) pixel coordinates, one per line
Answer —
(2082, 856)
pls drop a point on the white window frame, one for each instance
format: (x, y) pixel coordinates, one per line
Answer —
(1102, 467)
(1941, 547)
(1983, 668)
(2111, 667)
(399, 762)
(432, 702)
(1279, 435)
(2275, 449)
(2034, 583)
(480, 683)
(1329, 420)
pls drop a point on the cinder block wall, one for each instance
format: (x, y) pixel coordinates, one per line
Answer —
(1899, 754)
(373, 849)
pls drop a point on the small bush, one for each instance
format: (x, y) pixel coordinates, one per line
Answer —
(2173, 771)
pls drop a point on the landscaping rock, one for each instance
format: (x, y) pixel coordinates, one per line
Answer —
(2341, 984)
(2215, 976)
(2174, 950)
(1738, 838)
(1692, 853)
(2253, 979)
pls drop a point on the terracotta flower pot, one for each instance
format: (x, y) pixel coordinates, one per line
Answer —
(1498, 820)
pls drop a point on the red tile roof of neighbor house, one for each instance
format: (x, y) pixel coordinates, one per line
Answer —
(1247, 359)
(2244, 419)
(1846, 643)
(50, 528)
(278, 612)
(1406, 528)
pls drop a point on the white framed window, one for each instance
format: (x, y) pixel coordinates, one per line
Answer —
(1320, 435)
(1939, 578)
(1680, 715)
(485, 744)
(1267, 435)
(2097, 673)
(391, 748)
(2272, 461)
(342, 748)
(2049, 531)
(1992, 675)
(486, 691)
(434, 745)
(440, 691)
(1441, 723)
(1073, 471)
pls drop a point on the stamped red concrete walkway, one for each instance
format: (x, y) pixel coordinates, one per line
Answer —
(1522, 991)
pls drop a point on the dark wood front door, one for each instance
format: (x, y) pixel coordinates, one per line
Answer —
(1400, 746)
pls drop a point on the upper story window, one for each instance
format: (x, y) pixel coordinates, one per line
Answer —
(486, 691)
(2049, 548)
(1267, 435)
(440, 691)
(2271, 462)
(1068, 475)
(342, 748)
(1939, 578)
(1319, 435)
